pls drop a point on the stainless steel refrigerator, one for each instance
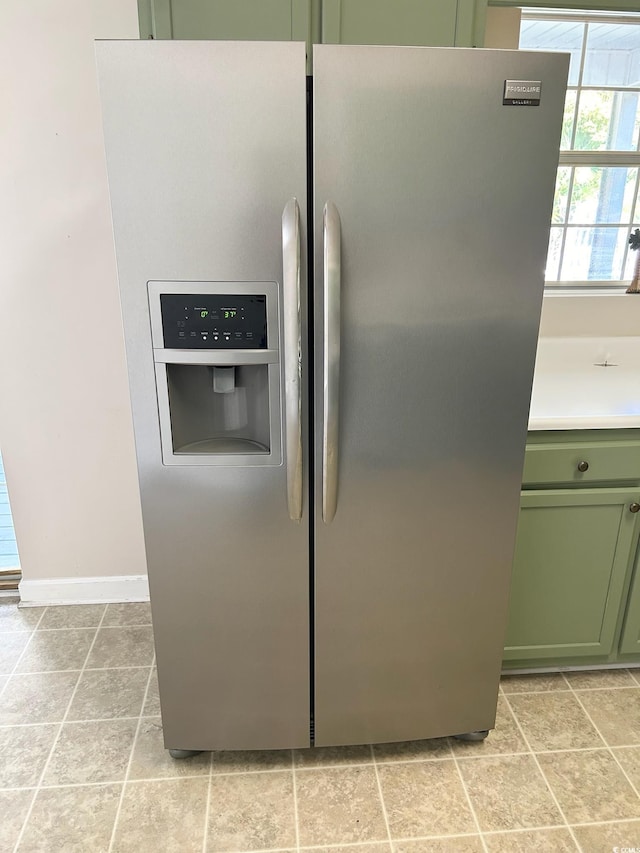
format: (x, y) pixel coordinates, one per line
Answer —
(331, 296)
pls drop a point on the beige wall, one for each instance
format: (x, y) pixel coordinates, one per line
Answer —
(65, 428)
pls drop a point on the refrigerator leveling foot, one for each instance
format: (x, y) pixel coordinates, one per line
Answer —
(472, 736)
(184, 753)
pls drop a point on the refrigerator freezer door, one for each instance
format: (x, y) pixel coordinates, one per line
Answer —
(205, 146)
(444, 198)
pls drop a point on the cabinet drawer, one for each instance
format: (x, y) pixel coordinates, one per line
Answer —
(581, 462)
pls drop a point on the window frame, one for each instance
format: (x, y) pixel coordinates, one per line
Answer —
(577, 158)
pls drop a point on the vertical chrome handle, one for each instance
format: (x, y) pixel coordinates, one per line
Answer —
(331, 239)
(292, 355)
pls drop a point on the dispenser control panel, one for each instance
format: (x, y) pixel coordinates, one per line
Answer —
(214, 321)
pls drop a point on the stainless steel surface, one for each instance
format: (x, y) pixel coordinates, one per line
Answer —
(635, 507)
(331, 363)
(205, 144)
(445, 199)
(583, 466)
(292, 356)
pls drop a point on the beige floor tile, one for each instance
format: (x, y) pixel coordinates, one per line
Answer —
(604, 838)
(227, 761)
(151, 760)
(131, 613)
(413, 750)
(600, 679)
(122, 647)
(505, 738)
(73, 820)
(251, 811)
(339, 806)
(57, 650)
(91, 752)
(629, 758)
(12, 646)
(3, 681)
(424, 798)
(106, 693)
(554, 721)
(509, 793)
(23, 753)
(455, 844)
(590, 786)
(152, 702)
(38, 698)
(616, 713)
(635, 674)
(332, 755)
(14, 618)
(538, 840)
(166, 816)
(14, 806)
(533, 683)
(72, 616)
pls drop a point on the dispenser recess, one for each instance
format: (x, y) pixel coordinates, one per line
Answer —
(216, 353)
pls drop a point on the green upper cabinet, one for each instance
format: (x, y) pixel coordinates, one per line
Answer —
(410, 22)
(439, 23)
(233, 20)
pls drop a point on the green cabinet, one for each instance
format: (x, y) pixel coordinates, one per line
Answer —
(630, 639)
(233, 20)
(409, 22)
(571, 560)
(574, 597)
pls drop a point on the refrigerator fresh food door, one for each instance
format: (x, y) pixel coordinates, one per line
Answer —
(432, 207)
(206, 156)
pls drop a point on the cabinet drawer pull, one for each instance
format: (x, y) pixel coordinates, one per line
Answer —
(634, 507)
(583, 466)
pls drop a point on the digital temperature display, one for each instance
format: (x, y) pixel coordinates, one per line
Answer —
(214, 321)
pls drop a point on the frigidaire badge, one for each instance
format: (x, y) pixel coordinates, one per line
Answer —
(522, 93)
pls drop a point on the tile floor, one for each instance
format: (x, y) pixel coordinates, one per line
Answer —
(82, 766)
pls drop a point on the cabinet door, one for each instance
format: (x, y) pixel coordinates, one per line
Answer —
(630, 640)
(572, 552)
(233, 20)
(413, 22)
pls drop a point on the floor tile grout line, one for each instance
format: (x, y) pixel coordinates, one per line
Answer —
(130, 762)
(35, 793)
(71, 722)
(296, 822)
(207, 805)
(74, 669)
(14, 671)
(542, 773)
(383, 804)
(57, 736)
(468, 798)
(607, 746)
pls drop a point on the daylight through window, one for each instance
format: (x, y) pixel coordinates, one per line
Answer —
(596, 201)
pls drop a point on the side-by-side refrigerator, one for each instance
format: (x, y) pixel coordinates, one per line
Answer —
(331, 293)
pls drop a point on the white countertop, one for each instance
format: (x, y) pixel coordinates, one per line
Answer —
(572, 391)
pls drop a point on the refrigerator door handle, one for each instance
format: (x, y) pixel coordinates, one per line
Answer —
(331, 238)
(292, 355)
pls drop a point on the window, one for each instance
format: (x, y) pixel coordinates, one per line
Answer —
(596, 202)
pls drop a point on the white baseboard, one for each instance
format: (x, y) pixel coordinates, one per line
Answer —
(36, 593)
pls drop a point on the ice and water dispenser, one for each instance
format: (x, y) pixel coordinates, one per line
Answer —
(216, 354)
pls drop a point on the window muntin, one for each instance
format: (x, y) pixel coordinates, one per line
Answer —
(596, 202)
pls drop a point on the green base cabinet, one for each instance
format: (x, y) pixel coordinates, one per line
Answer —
(575, 592)
(630, 639)
(571, 560)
